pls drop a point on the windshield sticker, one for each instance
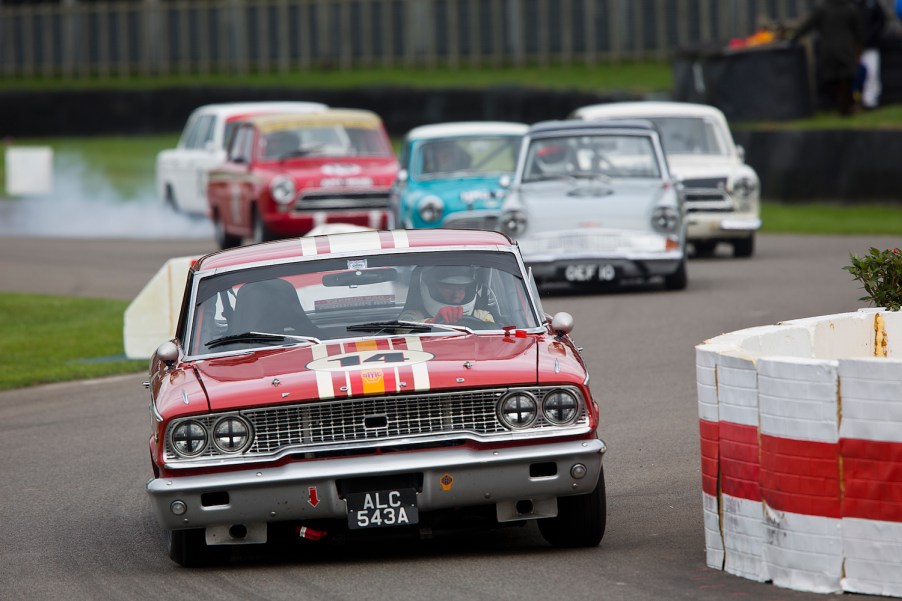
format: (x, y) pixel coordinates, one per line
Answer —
(357, 264)
(370, 361)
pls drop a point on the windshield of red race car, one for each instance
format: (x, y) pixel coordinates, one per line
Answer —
(337, 298)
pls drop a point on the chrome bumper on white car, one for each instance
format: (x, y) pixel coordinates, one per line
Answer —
(701, 226)
(310, 490)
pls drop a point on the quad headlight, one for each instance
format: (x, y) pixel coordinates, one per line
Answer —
(560, 406)
(189, 438)
(518, 409)
(227, 435)
(521, 409)
(231, 434)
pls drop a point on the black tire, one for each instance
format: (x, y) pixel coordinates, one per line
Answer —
(744, 247)
(189, 549)
(704, 248)
(580, 520)
(261, 232)
(223, 239)
(678, 279)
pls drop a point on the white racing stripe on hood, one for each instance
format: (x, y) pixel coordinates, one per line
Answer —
(324, 387)
(420, 370)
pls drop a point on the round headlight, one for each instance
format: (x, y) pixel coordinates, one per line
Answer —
(560, 406)
(744, 187)
(517, 409)
(514, 223)
(665, 219)
(282, 190)
(231, 434)
(189, 438)
(430, 209)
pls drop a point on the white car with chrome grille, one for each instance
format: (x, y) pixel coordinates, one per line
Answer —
(594, 203)
(721, 191)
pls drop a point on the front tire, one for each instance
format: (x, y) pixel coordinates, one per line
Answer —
(745, 247)
(580, 520)
(223, 238)
(678, 279)
(261, 232)
(189, 549)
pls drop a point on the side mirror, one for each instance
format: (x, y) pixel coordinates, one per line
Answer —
(168, 353)
(562, 323)
(505, 181)
(740, 152)
(403, 176)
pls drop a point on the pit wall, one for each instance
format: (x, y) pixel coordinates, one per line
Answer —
(801, 451)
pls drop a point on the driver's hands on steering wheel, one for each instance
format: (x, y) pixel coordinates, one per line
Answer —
(447, 315)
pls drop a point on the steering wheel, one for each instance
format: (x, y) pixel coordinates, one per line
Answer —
(474, 323)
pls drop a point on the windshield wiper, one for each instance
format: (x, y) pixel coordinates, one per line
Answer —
(259, 337)
(410, 326)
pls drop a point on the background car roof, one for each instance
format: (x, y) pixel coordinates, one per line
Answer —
(273, 122)
(467, 128)
(647, 109)
(227, 109)
(355, 242)
(566, 125)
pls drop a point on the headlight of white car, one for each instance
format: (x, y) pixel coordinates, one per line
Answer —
(514, 223)
(282, 189)
(665, 219)
(430, 208)
(744, 187)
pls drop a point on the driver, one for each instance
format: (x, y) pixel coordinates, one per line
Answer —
(448, 294)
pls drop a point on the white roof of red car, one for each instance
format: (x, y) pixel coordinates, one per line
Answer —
(355, 242)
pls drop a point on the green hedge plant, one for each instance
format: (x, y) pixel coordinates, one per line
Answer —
(880, 274)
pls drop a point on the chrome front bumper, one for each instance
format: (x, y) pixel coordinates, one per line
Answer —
(308, 490)
(704, 226)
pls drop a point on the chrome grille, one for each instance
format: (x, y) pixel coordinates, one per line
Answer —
(342, 200)
(705, 190)
(318, 426)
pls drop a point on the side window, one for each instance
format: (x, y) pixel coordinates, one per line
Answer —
(205, 131)
(242, 144)
(189, 132)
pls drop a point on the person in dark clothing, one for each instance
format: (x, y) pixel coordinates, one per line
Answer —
(841, 34)
(873, 19)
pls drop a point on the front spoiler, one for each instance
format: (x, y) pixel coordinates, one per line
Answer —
(307, 490)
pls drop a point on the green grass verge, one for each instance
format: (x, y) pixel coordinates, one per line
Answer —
(639, 77)
(58, 339)
(823, 218)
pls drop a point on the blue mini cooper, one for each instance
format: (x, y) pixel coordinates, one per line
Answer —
(451, 172)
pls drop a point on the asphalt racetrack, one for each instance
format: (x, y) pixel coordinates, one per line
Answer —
(74, 460)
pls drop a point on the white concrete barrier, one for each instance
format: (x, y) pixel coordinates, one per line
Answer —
(801, 436)
(151, 318)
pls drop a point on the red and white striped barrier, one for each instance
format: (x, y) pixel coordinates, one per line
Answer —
(801, 447)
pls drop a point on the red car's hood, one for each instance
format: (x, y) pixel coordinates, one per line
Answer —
(378, 367)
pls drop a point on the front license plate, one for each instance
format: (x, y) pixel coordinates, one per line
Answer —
(382, 508)
(590, 273)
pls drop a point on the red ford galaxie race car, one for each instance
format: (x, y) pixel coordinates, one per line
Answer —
(377, 382)
(286, 174)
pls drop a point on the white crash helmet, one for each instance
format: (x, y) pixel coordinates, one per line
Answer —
(553, 158)
(457, 275)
